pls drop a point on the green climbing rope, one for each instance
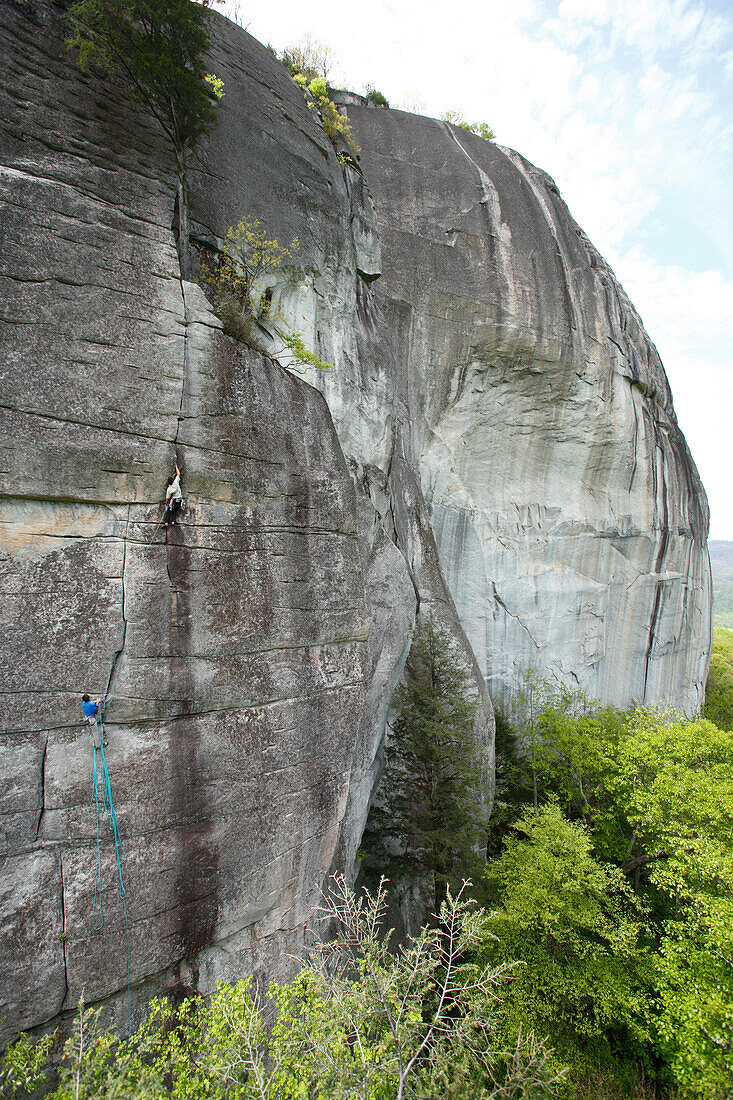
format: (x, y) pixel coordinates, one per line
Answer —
(160, 524)
(103, 807)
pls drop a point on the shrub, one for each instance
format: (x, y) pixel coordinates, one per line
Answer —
(358, 1020)
(482, 129)
(375, 97)
(233, 277)
(334, 123)
(295, 344)
(237, 323)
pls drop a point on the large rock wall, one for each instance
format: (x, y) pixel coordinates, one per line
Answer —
(240, 638)
(570, 519)
(255, 650)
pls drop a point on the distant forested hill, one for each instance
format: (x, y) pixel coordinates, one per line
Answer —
(721, 559)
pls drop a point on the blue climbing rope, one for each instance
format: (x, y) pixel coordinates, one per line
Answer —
(103, 807)
(97, 918)
(160, 524)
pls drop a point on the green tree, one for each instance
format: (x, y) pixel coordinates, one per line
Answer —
(157, 47)
(335, 124)
(431, 818)
(375, 97)
(719, 687)
(675, 789)
(575, 926)
(575, 759)
(695, 990)
(655, 791)
(236, 281)
(482, 129)
(235, 277)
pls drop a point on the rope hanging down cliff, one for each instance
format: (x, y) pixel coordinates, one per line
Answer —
(102, 803)
(102, 806)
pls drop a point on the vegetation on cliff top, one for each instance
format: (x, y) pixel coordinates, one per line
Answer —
(311, 62)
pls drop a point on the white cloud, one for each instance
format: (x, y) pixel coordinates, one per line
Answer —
(695, 307)
(585, 11)
(689, 315)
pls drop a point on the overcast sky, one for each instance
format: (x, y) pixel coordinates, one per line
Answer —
(627, 104)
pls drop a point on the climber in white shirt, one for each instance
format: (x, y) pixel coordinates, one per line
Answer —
(173, 498)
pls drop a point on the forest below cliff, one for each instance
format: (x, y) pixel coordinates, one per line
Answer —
(587, 956)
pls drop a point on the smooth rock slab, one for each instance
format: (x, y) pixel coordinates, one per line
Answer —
(570, 520)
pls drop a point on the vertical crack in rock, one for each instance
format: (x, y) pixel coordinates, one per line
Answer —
(62, 900)
(634, 456)
(42, 806)
(400, 538)
(185, 361)
(196, 888)
(118, 655)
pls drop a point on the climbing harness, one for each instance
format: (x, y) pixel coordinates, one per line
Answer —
(182, 508)
(102, 806)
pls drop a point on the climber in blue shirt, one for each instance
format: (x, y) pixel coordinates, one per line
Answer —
(92, 711)
(90, 708)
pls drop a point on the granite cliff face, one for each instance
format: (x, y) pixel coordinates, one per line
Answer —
(496, 447)
(569, 516)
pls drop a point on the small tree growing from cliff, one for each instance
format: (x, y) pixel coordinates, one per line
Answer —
(430, 817)
(157, 47)
(482, 129)
(235, 285)
(310, 57)
(248, 256)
